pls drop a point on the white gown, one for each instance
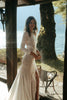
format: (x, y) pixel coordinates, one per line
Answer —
(24, 85)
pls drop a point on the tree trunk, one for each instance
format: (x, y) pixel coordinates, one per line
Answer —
(47, 42)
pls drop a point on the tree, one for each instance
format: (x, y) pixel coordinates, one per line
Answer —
(60, 8)
(46, 38)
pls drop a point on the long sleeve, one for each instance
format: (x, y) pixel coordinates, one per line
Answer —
(24, 42)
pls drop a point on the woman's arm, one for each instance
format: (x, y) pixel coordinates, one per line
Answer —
(24, 42)
(36, 56)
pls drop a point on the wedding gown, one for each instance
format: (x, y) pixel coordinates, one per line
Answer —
(24, 85)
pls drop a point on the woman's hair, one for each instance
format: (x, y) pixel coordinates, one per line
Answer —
(27, 25)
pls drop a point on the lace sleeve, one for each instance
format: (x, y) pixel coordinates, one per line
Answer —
(24, 42)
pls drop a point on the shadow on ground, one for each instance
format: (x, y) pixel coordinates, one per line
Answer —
(57, 64)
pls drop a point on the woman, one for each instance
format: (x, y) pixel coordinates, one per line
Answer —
(26, 83)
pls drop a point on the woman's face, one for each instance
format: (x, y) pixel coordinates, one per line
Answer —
(32, 25)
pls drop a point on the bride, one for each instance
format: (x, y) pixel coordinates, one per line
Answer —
(26, 83)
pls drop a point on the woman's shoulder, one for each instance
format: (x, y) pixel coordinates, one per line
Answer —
(25, 34)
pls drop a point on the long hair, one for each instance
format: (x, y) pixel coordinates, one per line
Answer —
(27, 25)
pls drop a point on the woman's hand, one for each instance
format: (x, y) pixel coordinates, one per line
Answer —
(37, 57)
(38, 54)
(33, 54)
